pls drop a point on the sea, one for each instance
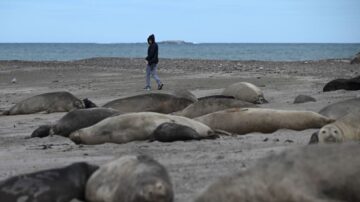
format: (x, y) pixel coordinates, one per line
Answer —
(212, 51)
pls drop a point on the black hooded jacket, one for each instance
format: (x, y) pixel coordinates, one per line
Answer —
(152, 54)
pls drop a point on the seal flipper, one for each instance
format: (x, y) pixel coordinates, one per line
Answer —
(42, 131)
(88, 103)
(314, 139)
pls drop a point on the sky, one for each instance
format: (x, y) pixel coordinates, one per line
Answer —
(200, 21)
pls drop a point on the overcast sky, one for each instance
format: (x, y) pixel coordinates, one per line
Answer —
(243, 21)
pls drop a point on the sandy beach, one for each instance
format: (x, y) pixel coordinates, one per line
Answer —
(192, 165)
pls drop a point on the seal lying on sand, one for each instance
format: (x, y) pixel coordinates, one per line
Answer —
(151, 102)
(345, 84)
(74, 120)
(48, 102)
(132, 127)
(209, 105)
(245, 91)
(170, 132)
(309, 174)
(340, 109)
(61, 185)
(303, 99)
(130, 179)
(247, 120)
(344, 129)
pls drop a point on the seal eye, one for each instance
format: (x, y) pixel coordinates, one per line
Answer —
(335, 131)
(323, 132)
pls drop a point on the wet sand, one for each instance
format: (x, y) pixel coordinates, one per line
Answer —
(192, 165)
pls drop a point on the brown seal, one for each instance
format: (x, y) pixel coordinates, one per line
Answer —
(247, 120)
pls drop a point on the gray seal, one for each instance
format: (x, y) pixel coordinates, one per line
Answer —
(170, 132)
(74, 120)
(245, 91)
(303, 99)
(340, 109)
(60, 185)
(130, 179)
(311, 173)
(132, 127)
(151, 102)
(248, 120)
(48, 102)
(212, 104)
(347, 128)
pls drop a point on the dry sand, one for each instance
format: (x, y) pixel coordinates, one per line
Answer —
(192, 165)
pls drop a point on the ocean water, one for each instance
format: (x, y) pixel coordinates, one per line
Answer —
(229, 51)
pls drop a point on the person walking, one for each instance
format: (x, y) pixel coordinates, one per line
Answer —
(152, 61)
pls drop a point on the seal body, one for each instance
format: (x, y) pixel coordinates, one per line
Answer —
(170, 132)
(74, 120)
(345, 84)
(307, 174)
(303, 99)
(344, 129)
(152, 102)
(245, 91)
(340, 109)
(60, 185)
(48, 102)
(211, 104)
(130, 179)
(247, 120)
(132, 127)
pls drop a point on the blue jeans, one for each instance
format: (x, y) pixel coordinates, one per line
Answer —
(151, 71)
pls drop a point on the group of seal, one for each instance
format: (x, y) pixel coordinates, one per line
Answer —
(130, 178)
(60, 184)
(49, 102)
(312, 173)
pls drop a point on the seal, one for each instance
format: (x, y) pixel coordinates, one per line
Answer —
(74, 120)
(212, 104)
(132, 127)
(61, 184)
(49, 102)
(245, 91)
(340, 109)
(303, 99)
(150, 102)
(247, 120)
(130, 179)
(345, 84)
(183, 93)
(310, 173)
(344, 129)
(170, 132)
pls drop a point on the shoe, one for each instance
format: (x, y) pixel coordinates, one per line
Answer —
(147, 88)
(160, 86)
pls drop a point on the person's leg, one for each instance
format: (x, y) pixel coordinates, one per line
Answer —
(148, 72)
(156, 77)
